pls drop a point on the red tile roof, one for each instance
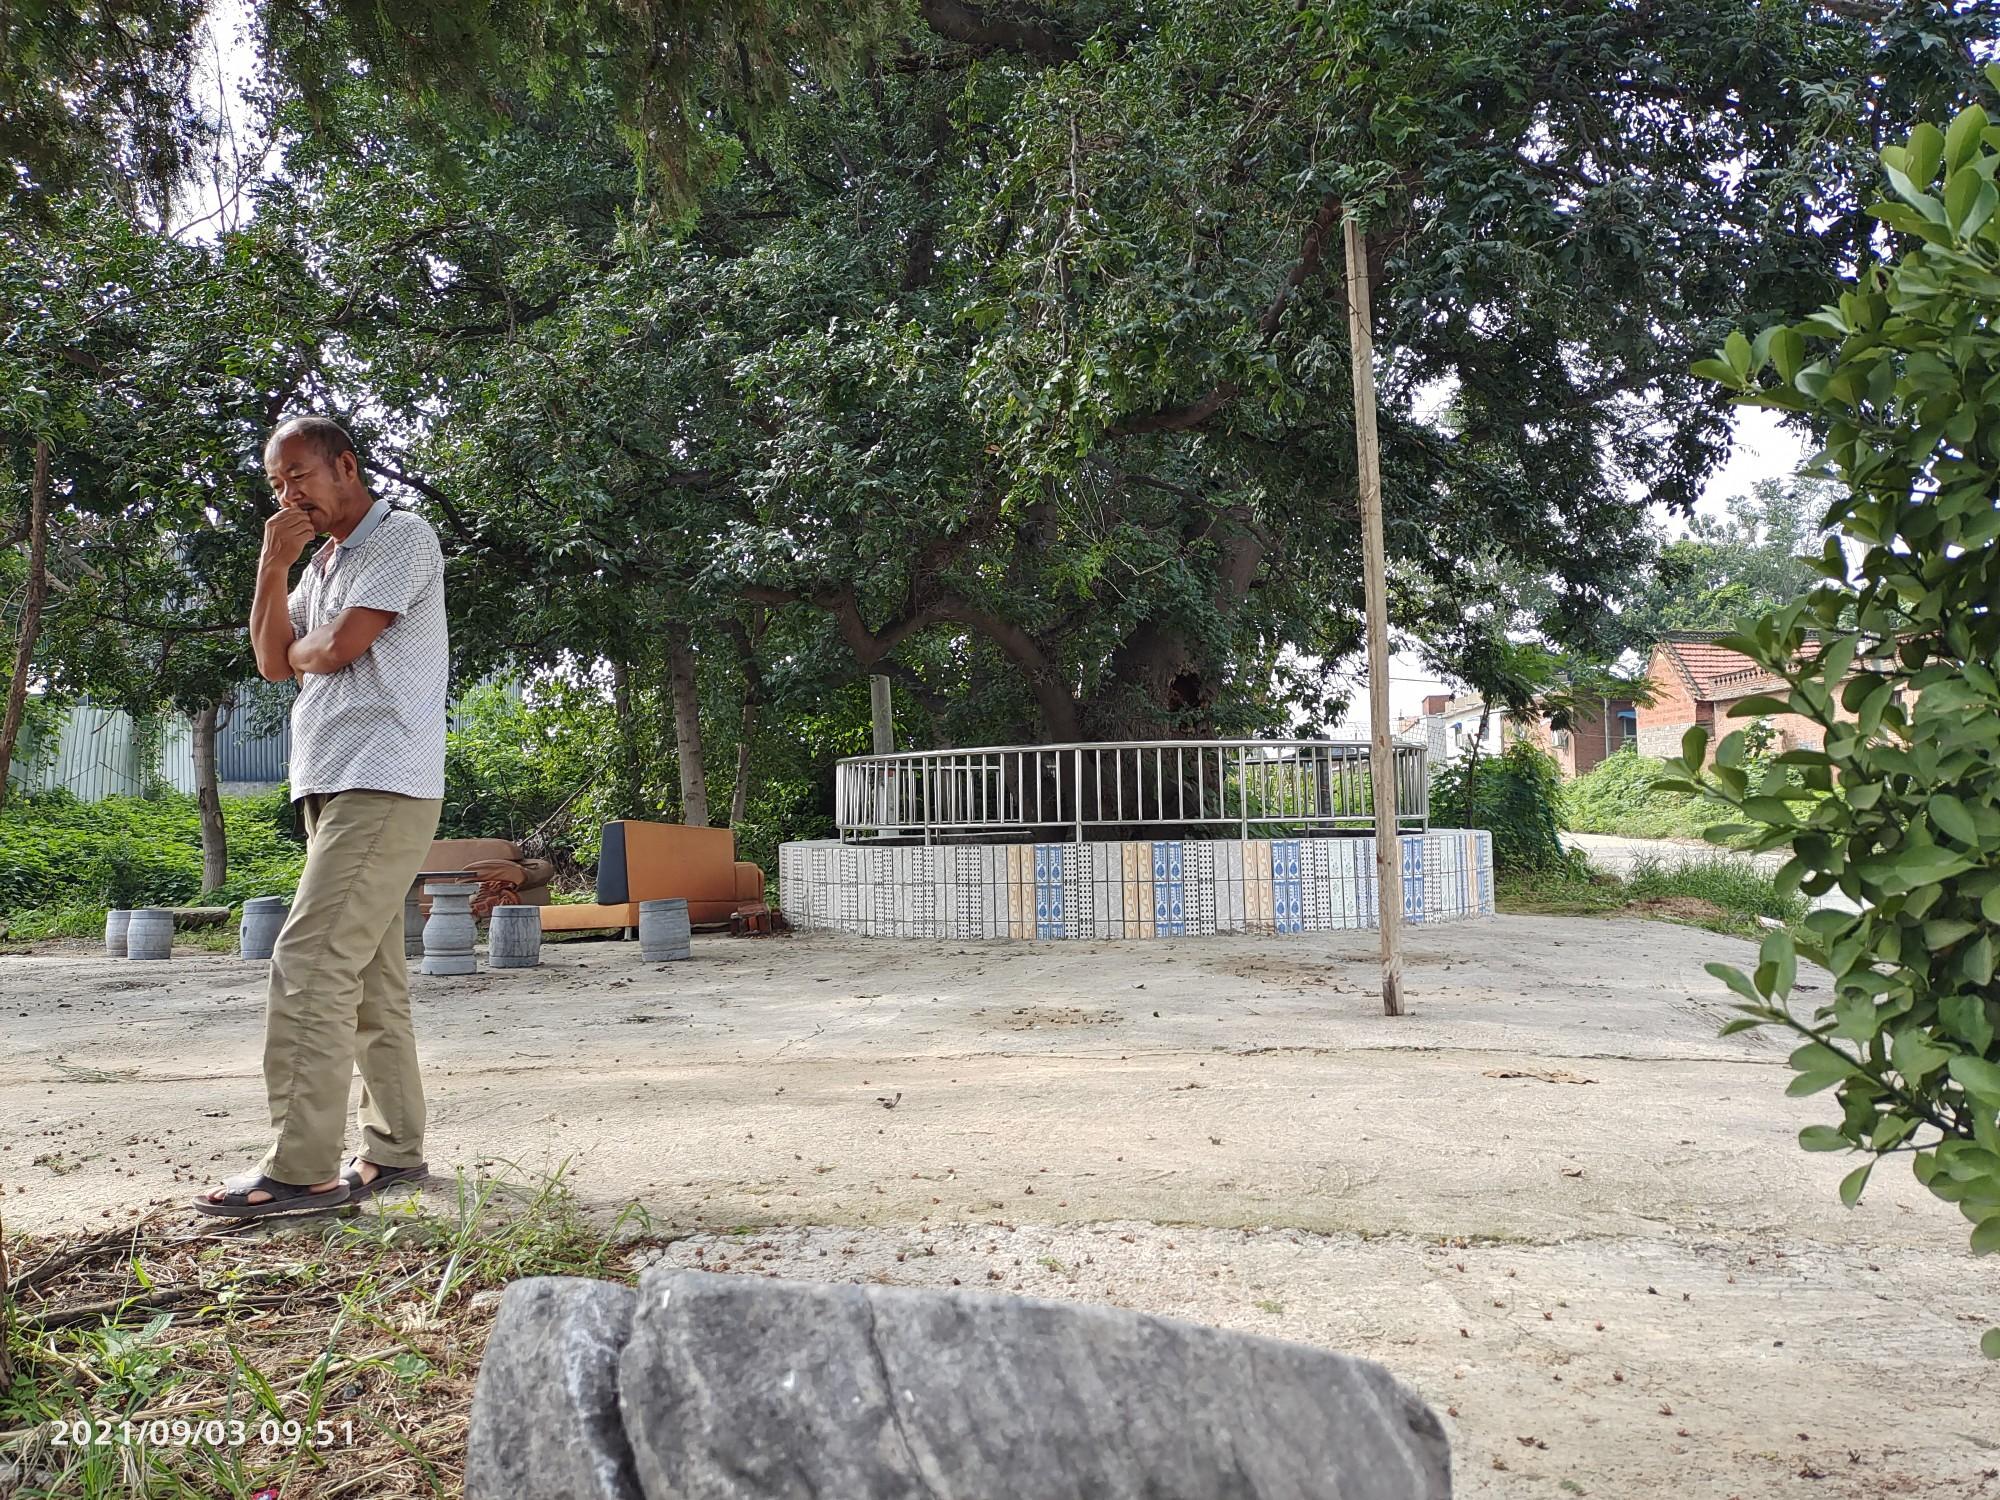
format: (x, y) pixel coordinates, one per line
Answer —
(1715, 673)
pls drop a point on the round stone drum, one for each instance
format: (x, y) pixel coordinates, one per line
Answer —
(514, 937)
(151, 934)
(263, 919)
(116, 924)
(451, 931)
(663, 930)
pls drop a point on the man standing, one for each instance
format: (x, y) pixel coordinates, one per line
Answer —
(364, 633)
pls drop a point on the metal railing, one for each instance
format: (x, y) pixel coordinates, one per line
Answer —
(1206, 788)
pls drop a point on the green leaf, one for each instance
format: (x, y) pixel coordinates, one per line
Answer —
(1906, 869)
(1969, 201)
(1823, 1138)
(1976, 963)
(1737, 981)
(1986, 1238)
(1915, 1058)
(1989, 907)
(1788, 353)
(1961, 137)
(1736, 350)
(1782, 956)
(1977, 1077)
(1852, 1184)
(1952, 817)
(1989, 1341)
(1716, 370)
(1926, 153)
(1694, 745)
(1758, 705)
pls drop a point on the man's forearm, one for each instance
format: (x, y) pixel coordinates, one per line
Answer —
(316, 651)
(340, 642)
(271, 623)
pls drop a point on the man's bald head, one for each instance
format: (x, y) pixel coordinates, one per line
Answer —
(324, 435)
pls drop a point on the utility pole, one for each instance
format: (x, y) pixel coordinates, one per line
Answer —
(1375, 583)
(884, 717)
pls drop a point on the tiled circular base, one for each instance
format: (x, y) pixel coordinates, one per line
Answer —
(1129, 889)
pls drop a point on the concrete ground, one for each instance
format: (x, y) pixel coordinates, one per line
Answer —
(1551, 1198)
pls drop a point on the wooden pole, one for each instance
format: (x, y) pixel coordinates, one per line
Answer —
(1374, 576)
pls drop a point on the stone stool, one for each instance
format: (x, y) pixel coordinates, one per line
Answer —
(263, 919)
(451, 931)
(413, 911)
(514, 937)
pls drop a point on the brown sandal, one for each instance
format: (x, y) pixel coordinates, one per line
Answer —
(385, 1177)
(286, 1197)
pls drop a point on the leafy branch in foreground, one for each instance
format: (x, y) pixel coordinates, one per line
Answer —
(1893, 657)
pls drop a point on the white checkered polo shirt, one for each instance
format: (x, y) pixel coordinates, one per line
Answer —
(378, 723)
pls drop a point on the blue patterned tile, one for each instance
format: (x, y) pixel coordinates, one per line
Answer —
(1169, 891)
(1287, 904)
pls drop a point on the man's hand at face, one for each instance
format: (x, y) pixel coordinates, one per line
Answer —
(286, 535)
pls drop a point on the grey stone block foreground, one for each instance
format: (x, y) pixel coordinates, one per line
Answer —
(710, 1387)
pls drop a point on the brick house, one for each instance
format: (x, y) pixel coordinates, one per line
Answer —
(1614, 726)
(1449, 726)
(1695, 681)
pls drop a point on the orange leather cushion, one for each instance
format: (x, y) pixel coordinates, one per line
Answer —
(585, 918)
(673, 859)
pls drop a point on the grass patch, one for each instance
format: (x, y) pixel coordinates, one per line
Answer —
(366, 1323)
(1720, 894)
(1617, 796)
(1732, 885)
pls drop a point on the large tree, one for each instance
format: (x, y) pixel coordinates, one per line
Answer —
(1021, 364)
(1009, 356)
(135, 390)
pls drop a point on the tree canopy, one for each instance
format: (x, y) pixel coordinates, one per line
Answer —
(1763, 552)
(999, 350)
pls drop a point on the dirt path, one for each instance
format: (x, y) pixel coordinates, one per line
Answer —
(1222, 1129)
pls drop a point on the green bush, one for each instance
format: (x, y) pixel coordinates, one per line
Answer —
(1516, 794)
(1618, 796)
(61, 855)
(1894, 658)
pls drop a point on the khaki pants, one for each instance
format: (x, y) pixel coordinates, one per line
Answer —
(340, 989)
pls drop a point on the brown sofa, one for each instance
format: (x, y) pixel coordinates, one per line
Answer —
(493, 860)
(652, 861)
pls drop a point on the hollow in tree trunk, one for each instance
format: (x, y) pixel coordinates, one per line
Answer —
(739, 796)
(31, 612)
(687, 728)
(208, 798)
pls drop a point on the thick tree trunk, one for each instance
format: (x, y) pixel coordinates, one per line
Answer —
(208, 798)
(687, 727)
(31, 612)
(625, 773)
(745, 638)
